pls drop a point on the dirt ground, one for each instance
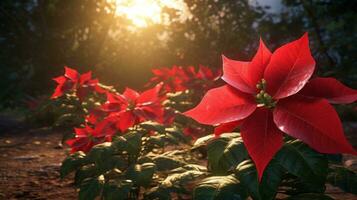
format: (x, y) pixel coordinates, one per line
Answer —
(30, 162)
(29, 167)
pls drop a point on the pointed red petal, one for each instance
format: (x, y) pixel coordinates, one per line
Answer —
(245, 75)
(221, 105)
(126, 120)
(131, 94)
(58, 92)
(289, 69)
(81, 132)
(226, 127)
(261, 137)
(150, 95)
(85, 77)
(233, 74)
(60, 79)
(71, 74)
(258, 64)
(330, 89)
(314, 121)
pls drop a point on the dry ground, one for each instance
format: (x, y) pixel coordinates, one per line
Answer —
(30, 162)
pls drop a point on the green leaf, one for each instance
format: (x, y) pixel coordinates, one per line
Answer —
(203, 141)
(309, 196)
(72, 163)
(85, 172)
(117, 189)
(343, 178)
(130, 142)
(167, 163)
(219, 188)
(153, 126)
(91, 188)
(305, 163)
(224, 154)
(267, 188)
(141, 175)
(179, 181)
(188, 168)
(101, 155)
(177, 133)
(157, 193)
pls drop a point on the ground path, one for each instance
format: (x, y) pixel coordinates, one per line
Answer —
(30, 162)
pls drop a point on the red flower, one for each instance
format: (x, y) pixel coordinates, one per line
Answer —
(173, 78)
(127, 109)
(85, 139)
(180, 78)
(272, 95)
(72, 80)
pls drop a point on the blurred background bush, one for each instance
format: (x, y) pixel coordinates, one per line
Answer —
(121, 40)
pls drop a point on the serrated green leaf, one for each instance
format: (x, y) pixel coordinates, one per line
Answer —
(85, 172)
(141, 175)
(72, 163)
(91, 188)
(117, 189)
(100, 154)
(188, 168)
(157, 193)
(343, 178)
(305, 163)
(219, 188)
(177, 133)
(180, 180)
(267, 188)
(203, 141)
(153, 126)
(224, 154)
(165, 162)
(309, 196)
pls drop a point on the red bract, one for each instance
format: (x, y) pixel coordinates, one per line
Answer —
(272, 95)
(127, 109)
(180, 78)
(85, 139)
(72, 80)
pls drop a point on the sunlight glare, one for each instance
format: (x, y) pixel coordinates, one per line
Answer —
(142, 13)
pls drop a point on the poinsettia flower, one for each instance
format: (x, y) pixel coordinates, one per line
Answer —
(127, 109)
(180, 78)
(72, 80)
(173, 78)
(85, 139)
(272, 95)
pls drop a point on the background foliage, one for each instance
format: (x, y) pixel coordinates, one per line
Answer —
(39, 37)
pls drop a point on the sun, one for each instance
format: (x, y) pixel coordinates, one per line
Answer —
(143, 13)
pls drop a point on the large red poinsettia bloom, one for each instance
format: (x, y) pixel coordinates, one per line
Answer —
(72, 80)
(272, 95)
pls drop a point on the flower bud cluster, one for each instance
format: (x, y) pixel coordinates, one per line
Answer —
(263, 98)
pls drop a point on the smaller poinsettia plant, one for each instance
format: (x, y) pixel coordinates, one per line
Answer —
(272, 95)
(179, 78)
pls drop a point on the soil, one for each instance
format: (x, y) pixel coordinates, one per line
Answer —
(30, 162)
(29, 166)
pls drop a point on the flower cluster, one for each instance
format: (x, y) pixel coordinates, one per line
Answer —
(72, 80)
(180, 78)
(272, 95)
(122, 111)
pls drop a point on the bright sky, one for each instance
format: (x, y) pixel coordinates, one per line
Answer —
(142, 13)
